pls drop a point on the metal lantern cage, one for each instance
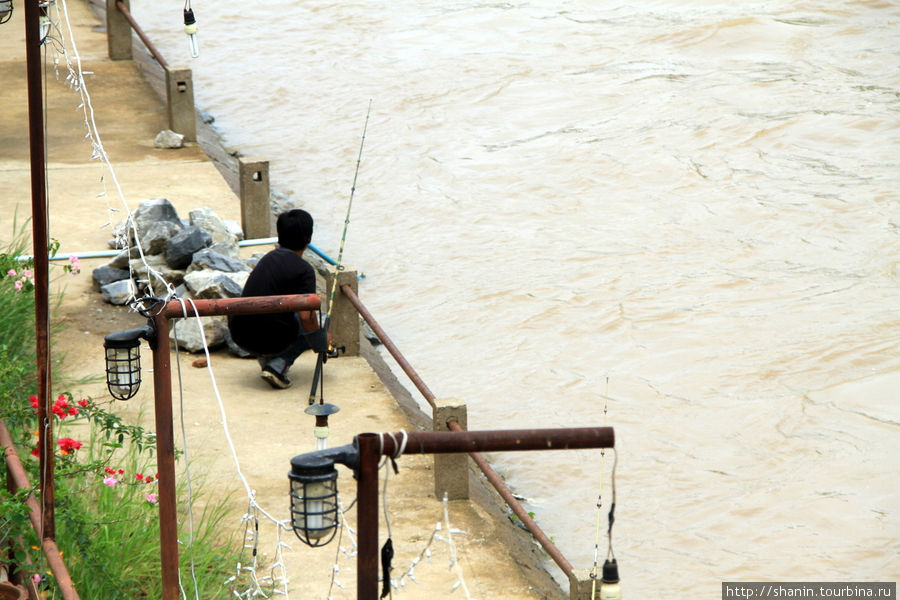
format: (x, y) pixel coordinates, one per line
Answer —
(123, 360)
(6, 9)
(314, 499)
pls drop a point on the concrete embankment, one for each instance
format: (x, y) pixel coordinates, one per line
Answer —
(267, 427)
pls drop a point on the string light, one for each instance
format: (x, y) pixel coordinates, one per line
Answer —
(190, 28)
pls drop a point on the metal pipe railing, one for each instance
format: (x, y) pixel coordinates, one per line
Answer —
(492, 476)
(372, 446)
(19, 480)
(162, 401)
(391, 347)
(140, 33)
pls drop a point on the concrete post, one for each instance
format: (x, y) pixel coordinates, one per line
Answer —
(581, 584)
(451, 471)
(344, 318)
(180, 100)
(118, 31)
(256, 213)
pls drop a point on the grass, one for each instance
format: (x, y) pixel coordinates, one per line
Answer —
(107, 524)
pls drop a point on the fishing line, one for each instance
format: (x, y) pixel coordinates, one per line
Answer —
(595, 569)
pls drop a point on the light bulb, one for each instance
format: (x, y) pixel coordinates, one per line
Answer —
(315, 507)
(190, 28)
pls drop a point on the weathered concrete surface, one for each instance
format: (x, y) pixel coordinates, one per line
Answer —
(268, 427)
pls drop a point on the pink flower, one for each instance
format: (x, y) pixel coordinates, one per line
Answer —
(110, 481)
(151, 498)
(74, 265)
(19, 284)
(27, 274)
(12, 273)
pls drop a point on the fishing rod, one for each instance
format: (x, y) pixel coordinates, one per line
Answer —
(332, 351)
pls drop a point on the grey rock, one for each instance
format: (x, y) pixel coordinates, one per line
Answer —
(153, 273)
(181, 247)
(119, 292)
(197, 280)
(219, 287)
(155, 210)
(104, 275)
(186, 333)
(207, 220)
(157, 235)
(120, 261)
(168, 139)
(208, 259)
(235, 228)
(229, 249)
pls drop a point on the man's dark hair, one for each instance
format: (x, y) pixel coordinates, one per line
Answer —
(294, 229)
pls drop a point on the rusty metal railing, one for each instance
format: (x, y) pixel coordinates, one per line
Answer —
(140, 33)
(17, 479)
(549, 547)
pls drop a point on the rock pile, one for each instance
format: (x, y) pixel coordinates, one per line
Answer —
(198, 257)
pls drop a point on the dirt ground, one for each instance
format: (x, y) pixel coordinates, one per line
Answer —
(267, 427)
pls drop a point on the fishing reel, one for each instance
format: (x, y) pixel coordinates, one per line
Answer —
(335, 351)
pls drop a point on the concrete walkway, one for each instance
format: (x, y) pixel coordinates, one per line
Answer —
(268, 427)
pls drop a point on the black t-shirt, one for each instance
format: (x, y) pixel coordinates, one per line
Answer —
(279, 272)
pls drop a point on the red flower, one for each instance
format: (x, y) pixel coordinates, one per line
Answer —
(83, 403)
(121, 471)
(139, 476)
(34, 402)
(35, 452)
(73, 411)
(109, 471)
(68, 445)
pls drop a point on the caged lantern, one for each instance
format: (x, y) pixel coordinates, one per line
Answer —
(6, 9)
(123, 360)
(314, 492)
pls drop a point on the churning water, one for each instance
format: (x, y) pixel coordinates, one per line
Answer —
(686, 212)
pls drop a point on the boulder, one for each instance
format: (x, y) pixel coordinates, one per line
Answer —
(181, 247)
(231, 250)
(119, 292)
(185, 333)
(168, 139)
(209, 260)
(153, 211)
(104, 275)
(145, 279)
(207, 220)
(218, 287)
(198, 280)
(156, 237)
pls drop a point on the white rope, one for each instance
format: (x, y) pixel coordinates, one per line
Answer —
(251, 494)
(76, 81)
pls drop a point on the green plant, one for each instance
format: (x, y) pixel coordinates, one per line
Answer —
(107, 525)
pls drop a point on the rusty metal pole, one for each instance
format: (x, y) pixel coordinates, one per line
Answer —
(165, 459)
(367, 517)
(40, 243)
(162, 397)
(18, 479)
(372, 446)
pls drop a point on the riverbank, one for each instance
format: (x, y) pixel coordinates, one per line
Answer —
(267, 427)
